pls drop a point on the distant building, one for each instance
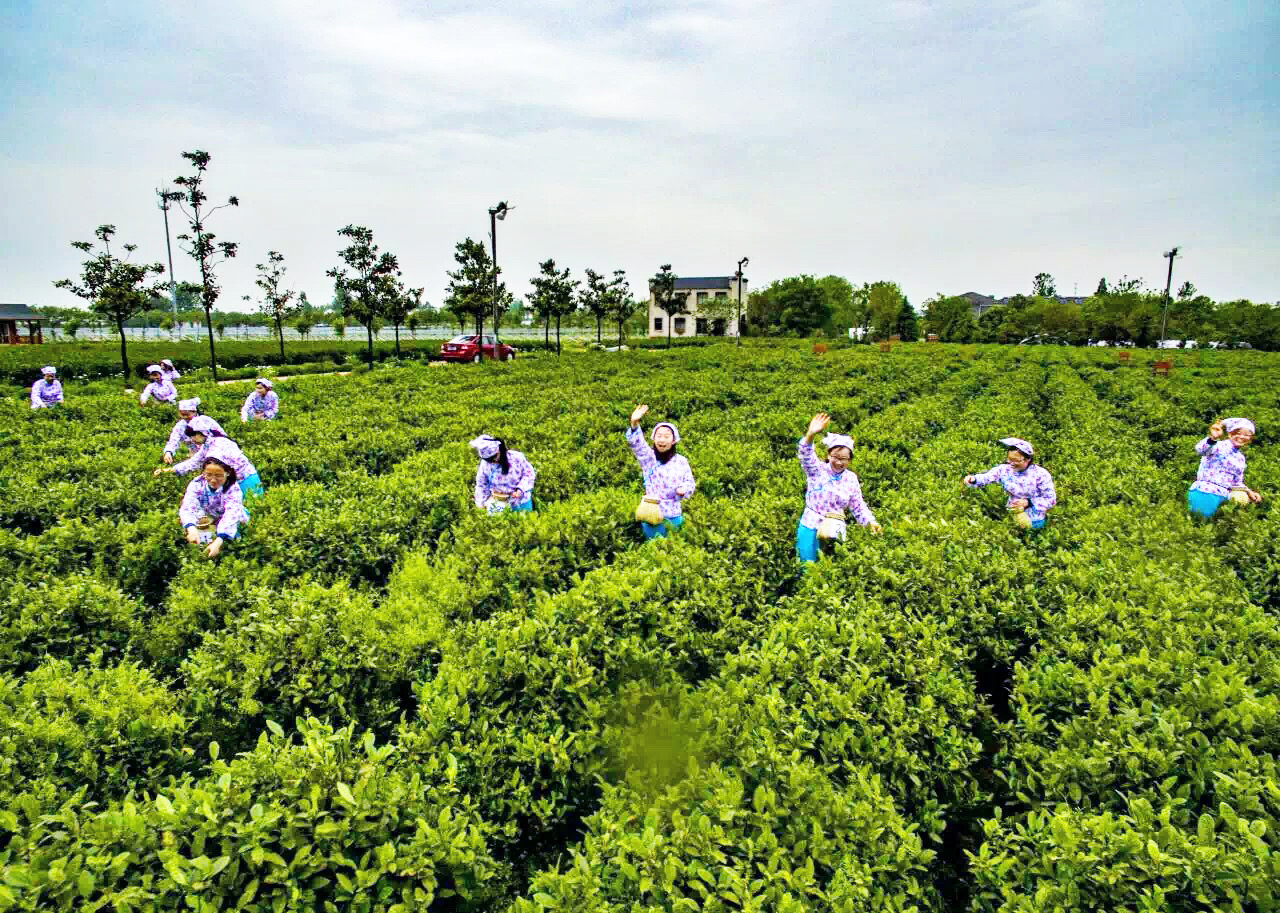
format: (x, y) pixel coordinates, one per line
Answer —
(11, 315)
(699, 291)
(982, 303)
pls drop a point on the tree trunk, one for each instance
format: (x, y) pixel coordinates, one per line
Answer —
(620, 326)
(124, 351)
(598, 321)
(557, 335)
(280, 333)
(669, 330)
(213, 353)
(368, 328)
(546, 335)
(397, 340)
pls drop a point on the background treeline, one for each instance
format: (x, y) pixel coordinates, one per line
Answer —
(1117, 312)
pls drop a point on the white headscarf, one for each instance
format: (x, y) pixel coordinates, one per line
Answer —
(837, 440)
(486, 446)
(203, 424)
(266, 383)
(189, 405)
(675, 432)
(154, 369)
(1238, 424)
(48, 369)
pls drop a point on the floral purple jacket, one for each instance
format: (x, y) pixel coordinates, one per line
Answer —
(1034, 483)
(266, 406)
(220, 448)
(661, 480)
(491, 478)
(44, 395)
(830, 493)
(1222, 467)
(226, 506)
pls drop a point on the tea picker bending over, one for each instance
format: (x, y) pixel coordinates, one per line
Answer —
(668, 480)
(213, 442)
(1222, 466)
(262, 404)
(504, 478)
(1030, 487)
(179, 436)
(212, 507)
(160, 387)
(832, 489)
(46, 392)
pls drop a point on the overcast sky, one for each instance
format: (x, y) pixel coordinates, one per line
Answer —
(949, 146)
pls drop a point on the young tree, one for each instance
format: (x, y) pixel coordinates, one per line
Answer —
(908, 323)
(303, 324)
(1044, 286)
(414, 321)
(399, 304)
(113, 286)
(363, 278)
(622, 304)
(200, 244)
(339, 327)
(595, 298)
(275, 300)
(72, 327)
(470, 290)
(663, 287)
(553, 294)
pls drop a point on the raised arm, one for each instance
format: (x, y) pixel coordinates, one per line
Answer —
(635, 439)
(808, 459)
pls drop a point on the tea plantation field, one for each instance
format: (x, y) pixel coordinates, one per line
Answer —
(380, 699)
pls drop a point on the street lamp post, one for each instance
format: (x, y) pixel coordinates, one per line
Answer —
(1169, 255)
(738, 326)
(496, 214)
(165, 197)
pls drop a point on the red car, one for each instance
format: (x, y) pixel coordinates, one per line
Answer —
(468, 348)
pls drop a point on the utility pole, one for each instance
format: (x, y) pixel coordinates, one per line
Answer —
(168, 245)
(1168, 284)
(496, 214)
(737, 329)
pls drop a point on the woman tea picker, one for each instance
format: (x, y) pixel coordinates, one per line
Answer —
(46, 392)
(180, 436)
(668, 480)
(262, 404)
(168, 370)
(160, 387)
(213, 507)
(831, 490)
(1030, 487)
(504, 478)
(1222, 465)
(213, 442)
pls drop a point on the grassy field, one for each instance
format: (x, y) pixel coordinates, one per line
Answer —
(381, 699)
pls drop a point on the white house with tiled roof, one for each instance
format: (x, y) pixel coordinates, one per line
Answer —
(700, 291)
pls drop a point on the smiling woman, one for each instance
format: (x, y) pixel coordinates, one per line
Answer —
(830, 491)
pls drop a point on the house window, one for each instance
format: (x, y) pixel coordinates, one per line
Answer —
(679, 324)
(702, 296)
(657, 324)
(701, 324)
(722, 294)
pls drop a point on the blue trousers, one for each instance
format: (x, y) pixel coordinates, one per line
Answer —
(806, 543)
(669, 524)
(1203, 503)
